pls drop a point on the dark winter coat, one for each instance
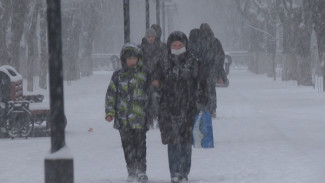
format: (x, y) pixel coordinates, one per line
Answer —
(178, 101)
(194, 44)
(127, 99)
(211, 54)
(153, 54)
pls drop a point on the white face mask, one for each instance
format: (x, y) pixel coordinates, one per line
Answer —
(179, 51)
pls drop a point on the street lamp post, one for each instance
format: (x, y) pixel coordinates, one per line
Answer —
(163, 20)
(59, 163)
(147, 15)
(126, 12)
(158, 12)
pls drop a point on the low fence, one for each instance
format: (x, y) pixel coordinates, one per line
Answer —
(111, 62)
(239, 58)
(105, 61)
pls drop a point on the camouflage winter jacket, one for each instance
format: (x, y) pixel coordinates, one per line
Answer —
(126, 98)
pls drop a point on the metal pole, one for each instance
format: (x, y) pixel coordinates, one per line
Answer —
(147, 15)
(55, 75)
(126, 10)
(56, 169)
(163, 20)
(158, 11)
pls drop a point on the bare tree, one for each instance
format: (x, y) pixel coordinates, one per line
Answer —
(89, 23)
(32, 44)
(19, 12)
(304, 45)
(5, 11)
(297, 27)
(318, 16)
(255, 14)
(43, 45)
(71, 40)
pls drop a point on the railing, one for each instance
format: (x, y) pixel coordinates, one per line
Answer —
(239, 58)
(105, 61)
(111, 62)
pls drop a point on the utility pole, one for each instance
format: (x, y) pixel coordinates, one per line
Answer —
(158, 12)
(126, 11)
(59, 164)
(163, 20)
(147, 15)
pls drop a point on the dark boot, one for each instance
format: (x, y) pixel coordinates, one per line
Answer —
(132, 177)
(142, 178)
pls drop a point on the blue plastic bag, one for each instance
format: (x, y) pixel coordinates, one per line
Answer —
(202, 131)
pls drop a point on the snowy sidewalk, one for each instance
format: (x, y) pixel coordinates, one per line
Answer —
(266, 132)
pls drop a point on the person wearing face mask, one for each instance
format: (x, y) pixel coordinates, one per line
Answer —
(178, 105)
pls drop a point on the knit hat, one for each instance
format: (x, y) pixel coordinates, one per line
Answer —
(150, 32)
(157, 28)
(194, 35)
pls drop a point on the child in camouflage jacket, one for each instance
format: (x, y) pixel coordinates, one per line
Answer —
(127, 103)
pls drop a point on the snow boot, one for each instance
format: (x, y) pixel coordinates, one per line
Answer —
(132, 177)
(179, 178)
(142, 178)
(184, 178)
(175, 180)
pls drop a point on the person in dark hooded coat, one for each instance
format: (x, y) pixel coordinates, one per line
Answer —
(154, 55)
(195, 49)
(194, 42)
(178, 105)
(212, 56)
(161, 64)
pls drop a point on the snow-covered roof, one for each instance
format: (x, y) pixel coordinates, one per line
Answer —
(11, 72)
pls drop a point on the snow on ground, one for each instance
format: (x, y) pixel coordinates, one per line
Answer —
(266, 132)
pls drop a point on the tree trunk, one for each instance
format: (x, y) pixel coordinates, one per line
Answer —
(305, 75)
(88, 35)
(71, 35)
(4, 18)
(43, 43)
(19, 12)
(318, 15)
(32, 53)
(292, 66)
(304, 45)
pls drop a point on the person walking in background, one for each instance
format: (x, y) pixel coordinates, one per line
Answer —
(178, 105)
(127, 103)
(154, 53)
(212, 56)
(161, 65)
(194, 43)
(195, 49)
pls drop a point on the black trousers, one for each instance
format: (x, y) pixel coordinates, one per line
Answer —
(135, 150)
